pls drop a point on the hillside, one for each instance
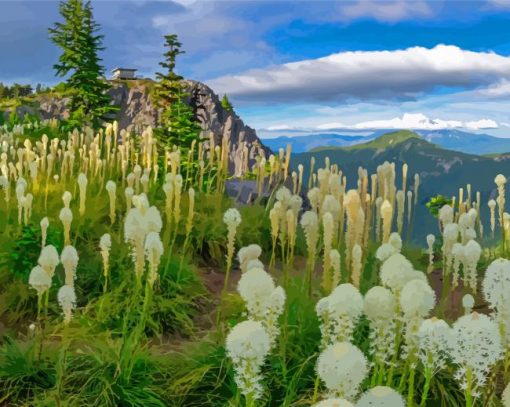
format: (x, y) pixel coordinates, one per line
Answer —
(457, 140)
(441, 171)
(467, 142)
(137, 111)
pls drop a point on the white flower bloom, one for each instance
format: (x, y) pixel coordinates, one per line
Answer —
(433, 337)
(248, 345)
(381, 396)
(69, 259)
(245, 254)
(417, 299)
(339, 312)
(379, 304)
(48, 259)
(385, 251)
(475, 344)
(255, 286)
(396, 241)
(255, 263)
(468, 303)
(396, 271)
(67, 301)
(39, 280)
(342, 367)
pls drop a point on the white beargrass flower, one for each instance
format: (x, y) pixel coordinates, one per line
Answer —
(417, 299)
(254, 287)
(450, 236)
(387, 216)
(67, 301)
(433, 336)
(153, 252)
(255, 263)
(129, 193)
(248, 345)
(475, 347)
(105, 244)
(379, 307)
(111, 188)
(310, 224)
(44, 230)
(66, 198)
(69, 259)
(492, 206)
(381, 396)
(248, 253)
(339, 312)
(458, 259)
(334, 403)
(446, 215)
(39, 280)
(82, 184)
(66, 217)
(396, 241)
(140, 221)
(472, 253)
(468, 302)
(48, 259)
(232, 218)
(396, 271)
(385, 251)
(342, 367)
(431, 239)
(496, 290)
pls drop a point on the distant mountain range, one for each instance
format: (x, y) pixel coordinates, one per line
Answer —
(456, 140)
(302, 144)
(441, 171)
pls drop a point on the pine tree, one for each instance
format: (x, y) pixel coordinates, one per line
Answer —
(178, 122)
(80, 42)
(225, 103)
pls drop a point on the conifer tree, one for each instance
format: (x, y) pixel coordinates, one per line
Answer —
(78, 37)
(178, 122)
(225, 103)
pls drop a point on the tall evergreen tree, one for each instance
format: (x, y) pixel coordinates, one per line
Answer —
(78, 37)
(178, 122)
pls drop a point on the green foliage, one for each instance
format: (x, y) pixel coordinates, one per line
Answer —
(78, 38)
(178, 122)
(436, 203)
(23, 372)
(225, 103)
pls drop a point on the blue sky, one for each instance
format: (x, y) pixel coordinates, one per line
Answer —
(292, 67)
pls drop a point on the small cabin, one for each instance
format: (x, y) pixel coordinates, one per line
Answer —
(123, 73)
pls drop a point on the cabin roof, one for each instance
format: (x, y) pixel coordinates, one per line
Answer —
(124, 69)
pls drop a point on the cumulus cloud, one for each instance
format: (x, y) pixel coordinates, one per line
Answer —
(364, 75)
(411, 121)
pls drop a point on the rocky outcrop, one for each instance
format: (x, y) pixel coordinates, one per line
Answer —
(136, 111)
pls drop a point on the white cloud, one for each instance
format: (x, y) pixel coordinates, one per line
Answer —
(411, 121)
(364, 75)
(384, 11)
(500, 89)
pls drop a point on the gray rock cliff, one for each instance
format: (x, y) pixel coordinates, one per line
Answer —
(137, 111)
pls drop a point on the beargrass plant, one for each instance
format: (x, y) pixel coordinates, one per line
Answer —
(120, 307)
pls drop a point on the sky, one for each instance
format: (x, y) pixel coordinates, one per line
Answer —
(293, 67)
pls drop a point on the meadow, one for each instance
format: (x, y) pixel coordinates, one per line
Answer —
(129, 277)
